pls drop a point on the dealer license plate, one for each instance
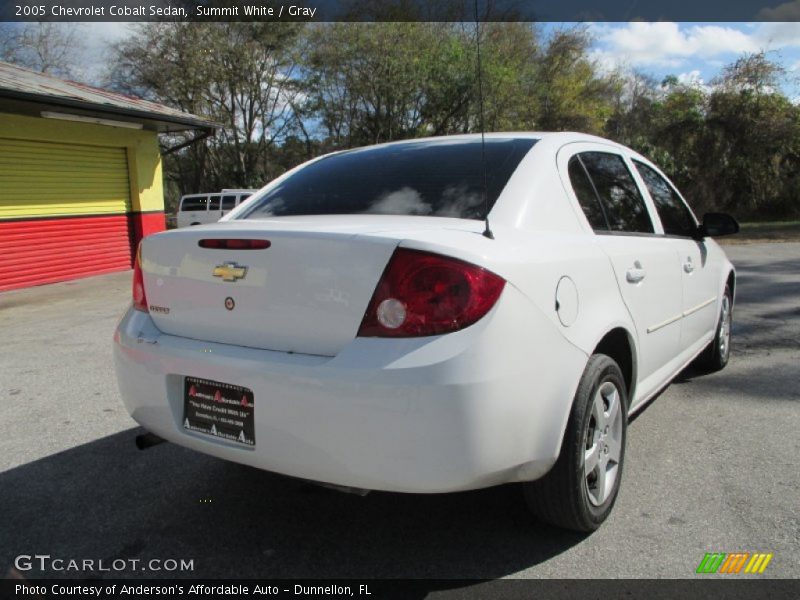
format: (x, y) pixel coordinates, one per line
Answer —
(221, 410)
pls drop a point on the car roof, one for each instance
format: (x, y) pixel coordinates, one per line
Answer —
(551, 138)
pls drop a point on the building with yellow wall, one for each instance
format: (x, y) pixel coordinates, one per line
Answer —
(80, 176)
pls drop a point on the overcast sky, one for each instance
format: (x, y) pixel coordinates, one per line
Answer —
(691, 51)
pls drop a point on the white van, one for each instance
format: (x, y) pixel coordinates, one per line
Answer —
(199, 209)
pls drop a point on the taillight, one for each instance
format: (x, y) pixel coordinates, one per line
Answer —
(234, 244)
(139, 297)
(423, 294)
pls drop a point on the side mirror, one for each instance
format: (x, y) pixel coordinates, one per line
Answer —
(717, 224)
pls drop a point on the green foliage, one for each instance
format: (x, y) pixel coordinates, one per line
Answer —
(570, 93)
(371, 83)
(733, 147)
(284, 93)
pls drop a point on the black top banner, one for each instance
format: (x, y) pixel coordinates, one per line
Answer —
(399, 10)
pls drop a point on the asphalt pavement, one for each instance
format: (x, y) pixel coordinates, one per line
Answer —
(711, 466)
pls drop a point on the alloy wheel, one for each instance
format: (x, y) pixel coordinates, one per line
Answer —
(603, 444)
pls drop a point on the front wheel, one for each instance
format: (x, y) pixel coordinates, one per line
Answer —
(579, 492)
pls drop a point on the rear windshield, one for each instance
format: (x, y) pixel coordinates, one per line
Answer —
(436, 178)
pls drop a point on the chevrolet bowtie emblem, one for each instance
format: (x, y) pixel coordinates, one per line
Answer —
(229, 271)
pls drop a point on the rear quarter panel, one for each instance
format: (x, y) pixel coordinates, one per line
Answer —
(534, 263)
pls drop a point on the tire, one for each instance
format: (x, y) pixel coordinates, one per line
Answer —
(716, 355)
(567, 496)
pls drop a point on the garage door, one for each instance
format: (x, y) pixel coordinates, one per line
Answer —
(63, 212)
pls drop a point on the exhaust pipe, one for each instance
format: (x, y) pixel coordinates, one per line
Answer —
(344, 489)
(148, 440)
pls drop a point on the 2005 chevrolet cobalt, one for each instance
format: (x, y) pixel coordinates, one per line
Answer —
(361, 322)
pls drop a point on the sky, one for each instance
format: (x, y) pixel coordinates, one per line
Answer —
(694, 52)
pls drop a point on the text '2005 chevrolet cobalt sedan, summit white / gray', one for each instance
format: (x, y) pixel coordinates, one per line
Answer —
(432, 315)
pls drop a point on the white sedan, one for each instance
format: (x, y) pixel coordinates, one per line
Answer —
(430, 316)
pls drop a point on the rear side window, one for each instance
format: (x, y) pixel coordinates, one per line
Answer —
(194, 203)
(674, 214)
(436, 178)
(587, 196)
(213, 203)
(621, 200)
(228, 202)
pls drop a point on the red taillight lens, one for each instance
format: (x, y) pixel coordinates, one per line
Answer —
(427, 294)
(139, 297)
(234, 244)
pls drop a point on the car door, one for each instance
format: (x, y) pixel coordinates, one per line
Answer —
(646, 265)
(214, 208)
(229, 202)
(700, 276)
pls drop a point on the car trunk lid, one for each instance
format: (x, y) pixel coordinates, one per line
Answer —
(306, 293)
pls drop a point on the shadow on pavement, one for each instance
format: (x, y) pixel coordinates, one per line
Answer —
(107, 500)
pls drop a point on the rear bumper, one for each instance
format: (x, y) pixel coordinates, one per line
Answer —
(479, 407)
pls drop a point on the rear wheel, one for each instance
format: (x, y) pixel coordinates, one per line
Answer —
(716, 355)
(580, 490)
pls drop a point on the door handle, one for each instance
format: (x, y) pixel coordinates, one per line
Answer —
(688, 266)
(636, 273)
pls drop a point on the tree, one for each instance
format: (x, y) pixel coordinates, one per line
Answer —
(284, 93)
(634, 98)
(241, 75)
(732, 146)
(753, 139)
(52, 48)
(377, 82)
(511, 55)
(569, 91)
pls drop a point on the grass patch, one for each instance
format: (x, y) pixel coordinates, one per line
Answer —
(770, 225)
(772, 231)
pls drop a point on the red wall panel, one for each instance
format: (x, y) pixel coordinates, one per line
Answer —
(36, 251)
(146, 223)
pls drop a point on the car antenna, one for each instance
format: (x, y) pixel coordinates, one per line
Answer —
(487, 232)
